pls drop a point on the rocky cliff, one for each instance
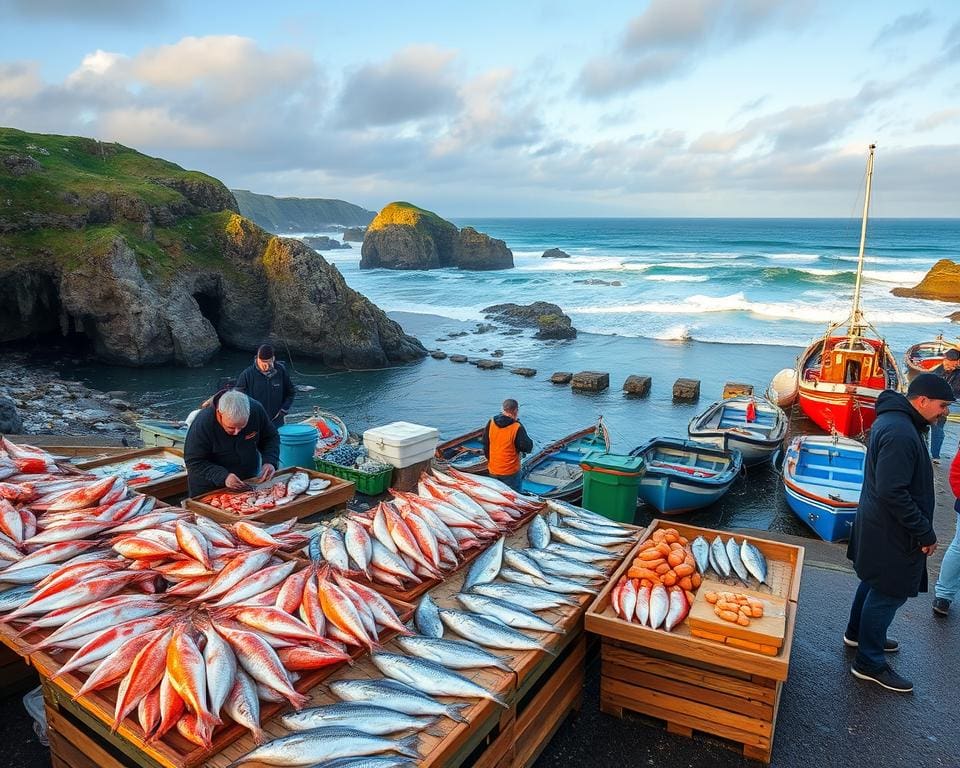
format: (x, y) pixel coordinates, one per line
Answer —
(147, 263)
(941, 283)
(403, 236)
(299, 214)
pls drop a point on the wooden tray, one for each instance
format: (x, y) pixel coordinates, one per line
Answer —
(337, 494)
(163, 487)
(766, 632)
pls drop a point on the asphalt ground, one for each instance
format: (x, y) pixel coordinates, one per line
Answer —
(826, 718)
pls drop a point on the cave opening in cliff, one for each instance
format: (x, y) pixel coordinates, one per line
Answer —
(210, 307)
(33, 319)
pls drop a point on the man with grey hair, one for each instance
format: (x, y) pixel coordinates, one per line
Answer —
(229, 441)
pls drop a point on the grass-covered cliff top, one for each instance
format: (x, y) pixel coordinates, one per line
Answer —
(408, 214)
(299, 214)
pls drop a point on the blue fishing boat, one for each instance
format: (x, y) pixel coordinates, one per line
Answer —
(684, 475)
(555, 473)
(822, 478)
(752, 425)
(464, 453)
(162, 434)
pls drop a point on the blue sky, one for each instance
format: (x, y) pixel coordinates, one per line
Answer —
(666, 108)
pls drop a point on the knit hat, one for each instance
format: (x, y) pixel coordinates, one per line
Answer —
(952, 354)
(932, 386)
(265, 352)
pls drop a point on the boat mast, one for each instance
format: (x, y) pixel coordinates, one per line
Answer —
(856, 317)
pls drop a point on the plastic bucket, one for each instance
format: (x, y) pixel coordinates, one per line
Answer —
(297, 444)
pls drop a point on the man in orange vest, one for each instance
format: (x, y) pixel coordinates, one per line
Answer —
(504, 439)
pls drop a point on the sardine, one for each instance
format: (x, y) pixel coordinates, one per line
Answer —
(512, 615)
(534, 598)
(538, 533)
(321, 745)
(397, 696)
(491, 634)
(754, 561)
(453, 654)
(719, 559)
(733, 555)
(430, 677)
(427, 618)
(369, 718)
(701, 553)
(486, 567)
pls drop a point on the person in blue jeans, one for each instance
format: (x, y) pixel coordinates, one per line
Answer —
(892, 533)
(948, 583)
(949, 371)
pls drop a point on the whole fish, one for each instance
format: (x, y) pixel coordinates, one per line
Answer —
(427, 618)
(430, 677)
(145, 673)
(719, 559)
(220, 663)
(371, 761)
(510, 614)
(486, 567)
(592, 526)
(538, 533)
(358, 545)
(396, 696)
(754, 561)
(333, 549)
(701, 553)
(369, 718)
(628, 599)
(679, 607)
(534, 598)
(257, 583)
(298, 484)
(322, 745)
(15, 597)
(453, 654)
(491, 634)
(642, 610)
(188, 673)
(559, 565)
(391, 562)
(583, 555)
(567, 536)
(733, 555)
(659, 605)
(521, 561)
(234, 572)
(555, 584)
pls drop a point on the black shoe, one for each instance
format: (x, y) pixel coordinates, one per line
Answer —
(885, 678)
(941, 606)
(889, 645)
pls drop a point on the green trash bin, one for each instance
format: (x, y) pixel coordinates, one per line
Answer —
(610, 484)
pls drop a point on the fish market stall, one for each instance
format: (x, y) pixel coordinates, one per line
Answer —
(157, 472)
(292, 493)
(711, 654)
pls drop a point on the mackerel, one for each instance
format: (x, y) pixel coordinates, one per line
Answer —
(559, 565)
(567, 536)
(453, 654)
(733, 555)
(538, 533)
(322, 745)
(369, 718)
(701, 553)
(527, 596)
(427, 618)
(486, 567)
(430, 677)
(512, 615)
(754, 561)
(555, 584)
(492, 634)
(718, 558)
(583, 555)
(521, 561)
(397, 696)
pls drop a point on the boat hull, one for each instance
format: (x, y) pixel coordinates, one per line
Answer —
(162, 434)
(834, 409)
(829, 523)
(725, 424)
(464, 453)
(562, 460)
(783, 388)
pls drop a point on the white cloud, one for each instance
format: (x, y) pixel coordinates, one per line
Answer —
(19, 80)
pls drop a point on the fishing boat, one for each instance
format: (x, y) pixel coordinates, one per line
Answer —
(684, 475)
(925, 356)
(554, 472)
(331, 430)
(162, 434)
(822, 478)
(783, 388)
(753, 425)
(464, 453)
(842, 373)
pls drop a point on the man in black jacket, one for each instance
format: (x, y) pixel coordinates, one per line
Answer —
(268, 382)
(230, 440)
(893, 531)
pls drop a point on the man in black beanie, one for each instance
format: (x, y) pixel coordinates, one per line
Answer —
(893, 531)
(268, 382)
(949, 371)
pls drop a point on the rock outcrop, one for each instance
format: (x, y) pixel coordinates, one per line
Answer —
(299, 214)
(155, 266)
(325, 244)
(547, 318)
(555, 253)
(403, 236)
(353, 234)
(941, 283)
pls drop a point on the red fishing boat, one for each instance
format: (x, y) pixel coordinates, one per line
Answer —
(842, 373)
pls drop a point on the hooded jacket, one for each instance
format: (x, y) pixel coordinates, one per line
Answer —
(895, 515)
(275, 392)
(211, 454)
(506, 453)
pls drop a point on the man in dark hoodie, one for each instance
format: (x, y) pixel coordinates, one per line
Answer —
(504, 439)
(231, 440)
(893, 531)
(268, 382)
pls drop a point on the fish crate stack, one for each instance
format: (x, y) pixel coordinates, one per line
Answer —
(707, 674)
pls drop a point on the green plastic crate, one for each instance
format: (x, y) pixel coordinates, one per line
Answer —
(366, 483)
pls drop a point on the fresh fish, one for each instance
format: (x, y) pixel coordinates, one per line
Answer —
(453, 654)
(243, 705)
(377, 721)
(754, 561)
(592, 526)
(583, 555)
(257, 583)
(512, 615)
(719, 559)
(371, 761)
(628, 599)
(358, 545)
(486, 567)
(659, 605)
(430, 677)
(396, 696)
(566, 536)
(297, 484)
(489, 633)
(313, 548)
(733, 555)
(555, 584)
(386, 560)
(701, 553)
(220, 663)
(145, 673)
(538, 533)
(234, 572)
(188, 673)
(334, 550)
(521, 561)
(534, 598)
(558, 565)
(678, 610)
(322, 745)
(642, 610)
(15, 597)
(427, 618)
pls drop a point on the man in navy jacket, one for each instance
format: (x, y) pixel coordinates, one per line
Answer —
(893, 532)
(268, 382)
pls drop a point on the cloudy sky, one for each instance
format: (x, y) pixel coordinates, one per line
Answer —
(664, 108)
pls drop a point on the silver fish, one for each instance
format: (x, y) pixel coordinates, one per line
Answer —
(453, 654)
(334, 549)
(512, 615)
(575, 539)
(521, 561)
(754, 561)
(556, 583)
(733, 555)
(369, 718)
(15, 597)
(534, 598)
(298, 484)
(396, 696)
(243, 705)
(701, 553)
(430, 677)
(323, 744)
(719, 559)
(492, 634)
(372, 761)
(592, 526)
(486, 567)
(427, 618)
(553, 563)
(313, 548)
(553, 519)
(538, 533)
(583, 555)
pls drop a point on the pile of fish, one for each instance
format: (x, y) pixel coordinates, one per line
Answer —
(276, 493)
(570, 554)
(730, 559)
(142, 470)
(418, 536)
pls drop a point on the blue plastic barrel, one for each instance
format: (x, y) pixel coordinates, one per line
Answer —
(297, 444)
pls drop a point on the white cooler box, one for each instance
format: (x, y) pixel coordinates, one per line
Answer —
(401, 443)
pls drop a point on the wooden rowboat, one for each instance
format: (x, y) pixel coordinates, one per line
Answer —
(464, 453)
(554, 472)
(925, 356)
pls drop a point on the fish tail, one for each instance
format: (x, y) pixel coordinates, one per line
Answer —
(259, 735)
(453, 712)
(298, 700)
(498, 701)
(408, 747)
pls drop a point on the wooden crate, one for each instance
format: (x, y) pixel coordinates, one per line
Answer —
(335, 496)
(168, 487)
(73, 745)
(694, 683)
(16, 674)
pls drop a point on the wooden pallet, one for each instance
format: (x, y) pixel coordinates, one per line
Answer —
(172, 486)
